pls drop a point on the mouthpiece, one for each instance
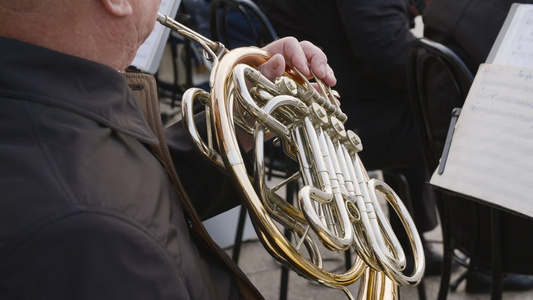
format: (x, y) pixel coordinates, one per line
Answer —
(161, 18)
(214, 47)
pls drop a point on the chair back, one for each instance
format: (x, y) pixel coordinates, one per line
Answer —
(432, 69)
(238, 23)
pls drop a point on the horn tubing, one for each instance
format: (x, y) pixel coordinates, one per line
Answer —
(338, 204)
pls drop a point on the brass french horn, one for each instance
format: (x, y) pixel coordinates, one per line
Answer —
(337, 207)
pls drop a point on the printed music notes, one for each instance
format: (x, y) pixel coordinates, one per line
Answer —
(491, 154)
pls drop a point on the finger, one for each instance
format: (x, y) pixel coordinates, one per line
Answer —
(316, 58)
(303, 56)
(291, 49)
(330, 78)
(319, 63)
(273, 68)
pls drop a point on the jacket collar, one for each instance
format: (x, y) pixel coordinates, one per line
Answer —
(96, 91)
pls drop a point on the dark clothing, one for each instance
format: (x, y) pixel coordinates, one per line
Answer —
(367, 44)
(87, 211)
(468, 27)
(367, 56)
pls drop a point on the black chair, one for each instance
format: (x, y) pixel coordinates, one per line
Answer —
(240, 23)
(481, 232)
(424, 57)
(237, 23)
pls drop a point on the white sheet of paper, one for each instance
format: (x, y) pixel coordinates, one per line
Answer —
(491, 154)
(514, 45)
(150, 52)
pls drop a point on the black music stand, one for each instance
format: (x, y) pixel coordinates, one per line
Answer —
(469, 225)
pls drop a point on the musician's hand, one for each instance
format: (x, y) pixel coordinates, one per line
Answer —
(300, 55)
(303, 56)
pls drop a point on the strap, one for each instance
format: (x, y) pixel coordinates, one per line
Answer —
(149, 102)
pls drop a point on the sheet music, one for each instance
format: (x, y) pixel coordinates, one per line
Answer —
(491, 154)
(150, 52)
(514, 44)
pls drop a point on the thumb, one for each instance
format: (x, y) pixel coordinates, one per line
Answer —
(274, 67)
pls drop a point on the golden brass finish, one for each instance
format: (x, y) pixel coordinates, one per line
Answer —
(338, 206)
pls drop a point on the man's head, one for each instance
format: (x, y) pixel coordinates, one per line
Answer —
(105, 31)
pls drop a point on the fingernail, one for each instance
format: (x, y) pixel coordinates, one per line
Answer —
(332, 74)
(323, 70)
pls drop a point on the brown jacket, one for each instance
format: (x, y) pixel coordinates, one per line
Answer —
(90, 205)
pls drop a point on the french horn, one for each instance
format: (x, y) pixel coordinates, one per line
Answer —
(337, 206)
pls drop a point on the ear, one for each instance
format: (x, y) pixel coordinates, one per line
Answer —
(119, 8)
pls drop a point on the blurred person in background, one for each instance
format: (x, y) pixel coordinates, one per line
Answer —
(367, 44)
